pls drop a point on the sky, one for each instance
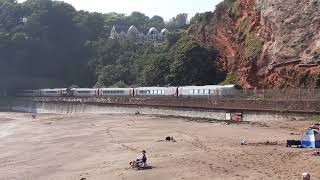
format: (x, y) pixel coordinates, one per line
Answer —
(165, 8)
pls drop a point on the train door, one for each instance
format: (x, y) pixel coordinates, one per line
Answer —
(131, 92)
(98, 92)
(177, 92)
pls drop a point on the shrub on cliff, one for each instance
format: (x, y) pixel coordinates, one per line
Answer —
(253, 45)
(231, 79)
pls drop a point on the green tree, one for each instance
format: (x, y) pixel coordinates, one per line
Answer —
(111, 74)
(193, 65)
(157, 22)
(156, 70)
(140, 20)
(171, 25)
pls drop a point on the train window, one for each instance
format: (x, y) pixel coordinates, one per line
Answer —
(206, 91)
(84, 92)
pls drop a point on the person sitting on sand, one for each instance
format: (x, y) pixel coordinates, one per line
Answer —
(140, 162)
(142, 158)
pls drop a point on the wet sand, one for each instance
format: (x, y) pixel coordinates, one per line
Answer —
(96, 147)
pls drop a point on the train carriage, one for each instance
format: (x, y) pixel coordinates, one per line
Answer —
(52, 92)
(185, 91)
(85, 92)
(155, 92)
(126, 92)
(208, 91)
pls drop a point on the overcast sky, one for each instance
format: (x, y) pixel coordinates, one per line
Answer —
(165, 8)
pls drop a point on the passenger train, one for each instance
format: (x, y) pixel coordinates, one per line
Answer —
(183, 91)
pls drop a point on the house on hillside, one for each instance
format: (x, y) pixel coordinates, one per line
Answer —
(134, 35)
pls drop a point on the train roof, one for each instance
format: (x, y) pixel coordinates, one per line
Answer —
(115, 88)
(211, 86)
(84, 89)
(53, 89)
(154, 88)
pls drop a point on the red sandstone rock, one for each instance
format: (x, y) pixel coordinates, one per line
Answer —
(288, 31)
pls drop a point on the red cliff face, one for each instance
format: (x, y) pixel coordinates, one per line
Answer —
(267, 43)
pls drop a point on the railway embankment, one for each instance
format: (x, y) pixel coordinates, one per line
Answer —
(252, 110)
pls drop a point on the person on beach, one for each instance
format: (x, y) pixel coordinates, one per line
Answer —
(140, 162)
(34, 115)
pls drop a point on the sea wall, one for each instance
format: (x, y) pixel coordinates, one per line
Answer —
(85, 108)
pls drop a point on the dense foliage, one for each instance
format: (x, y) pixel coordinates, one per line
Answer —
(45, 43)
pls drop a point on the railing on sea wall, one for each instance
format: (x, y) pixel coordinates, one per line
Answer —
(279, 95)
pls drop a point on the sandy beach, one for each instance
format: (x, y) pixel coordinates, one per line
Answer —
(99, 147)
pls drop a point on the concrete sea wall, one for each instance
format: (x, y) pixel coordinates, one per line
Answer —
(94, 108)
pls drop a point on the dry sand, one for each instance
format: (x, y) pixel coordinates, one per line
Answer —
(99, 147)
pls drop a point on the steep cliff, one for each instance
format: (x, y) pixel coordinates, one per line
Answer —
(267, 43)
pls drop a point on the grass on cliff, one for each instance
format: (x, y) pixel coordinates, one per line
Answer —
(253, 45)
(231, 79)
(245, 26)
